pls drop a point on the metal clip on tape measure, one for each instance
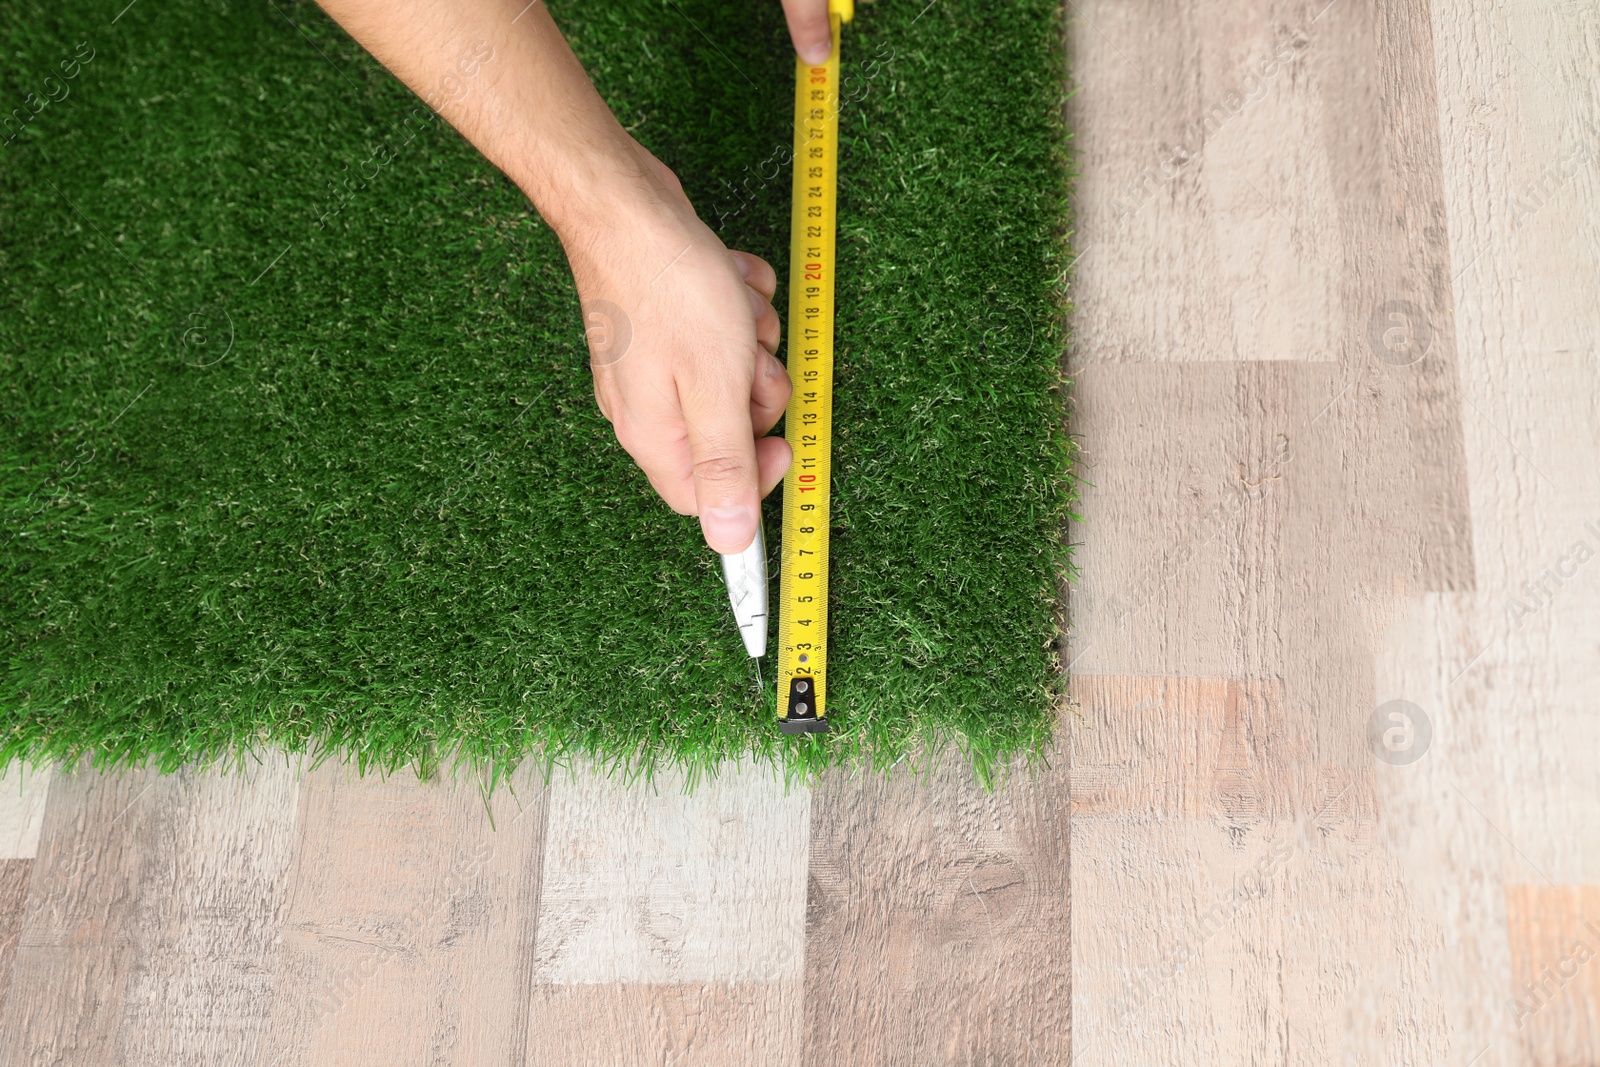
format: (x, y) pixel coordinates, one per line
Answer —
(803, 610)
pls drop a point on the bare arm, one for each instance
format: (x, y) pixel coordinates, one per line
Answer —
(682, 330)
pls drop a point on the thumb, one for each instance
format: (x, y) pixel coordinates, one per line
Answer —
(808, 28)
(722, 449)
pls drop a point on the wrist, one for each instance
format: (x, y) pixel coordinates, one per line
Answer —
(597, 186)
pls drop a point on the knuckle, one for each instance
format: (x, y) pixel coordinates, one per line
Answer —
(718, 469)
(607, 406)
(626, 437)
(678, 501)
(711, 392)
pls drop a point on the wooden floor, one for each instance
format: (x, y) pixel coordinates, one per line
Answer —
(1329, 787)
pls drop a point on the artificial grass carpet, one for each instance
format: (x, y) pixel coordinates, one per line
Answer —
(301, 449)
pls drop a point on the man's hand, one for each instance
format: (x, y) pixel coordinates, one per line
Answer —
(695, 387)
(681, 334)
(808, 29)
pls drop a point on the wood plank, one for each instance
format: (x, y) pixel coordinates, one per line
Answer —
(658, 906)
(1521, 123)
(1221, 272)
(75, 951)
(1230, 153)
(14, 878)
(23, 792)
(204, 921)
(671, 1025)
(1495, 825)
(937, 920)
(1217, 899)
(1213, 749)
(1255, 526)
(149, 930)
(1454, 859)
(1554, 932)
(408, 932)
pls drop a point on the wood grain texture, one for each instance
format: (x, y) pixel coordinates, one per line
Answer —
(1222, 272)
(64, 1003)
(644, 883)
(937, 921)
(671, 926)
(14, 878)
(408, 928)
(1211, 748)
(149, 931)
(205, 918)
(1555, 941)
(1268, 387)
(1267, 883)
(692, 1024)
(1495, 824)
(23, 791)
(1223, 906)
(1522, 122)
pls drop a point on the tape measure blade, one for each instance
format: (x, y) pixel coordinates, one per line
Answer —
(803, 583)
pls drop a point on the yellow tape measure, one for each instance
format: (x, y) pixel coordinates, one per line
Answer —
(803, 612)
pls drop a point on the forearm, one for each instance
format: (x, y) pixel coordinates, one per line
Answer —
(501, 73)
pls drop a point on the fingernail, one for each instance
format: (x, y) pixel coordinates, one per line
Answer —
(743, 265)
(729, 530)
(816, 53)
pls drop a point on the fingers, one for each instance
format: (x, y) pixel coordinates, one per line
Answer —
(671, 472)
(808, 28)
(653, 434)
(687, 467)
(773, 456)
(756, 272)
(692, 403)
(760, 283)
(760, 279)
(769, 393)
(766, 321)
(769, 390)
